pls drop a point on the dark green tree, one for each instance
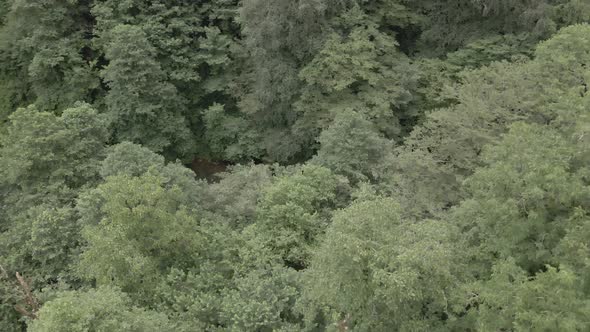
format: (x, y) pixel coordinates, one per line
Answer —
(46, 55)
(358, 67)
(142, 105)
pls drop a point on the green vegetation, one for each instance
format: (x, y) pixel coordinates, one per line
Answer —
(374, 165)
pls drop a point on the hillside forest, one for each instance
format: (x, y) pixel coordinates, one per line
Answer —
(294, 165)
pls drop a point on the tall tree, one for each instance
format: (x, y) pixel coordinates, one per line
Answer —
(45, 160)
(47, 55)
(358, 67)
(189, 43)
(140, 100)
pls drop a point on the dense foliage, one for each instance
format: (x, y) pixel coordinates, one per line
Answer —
(357, 165)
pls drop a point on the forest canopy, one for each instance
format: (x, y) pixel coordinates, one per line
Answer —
(294, 165)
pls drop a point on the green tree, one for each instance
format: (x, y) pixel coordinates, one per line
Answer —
(358, 67)
(351, 146)
(101, 309)
(573, 252)
(45, 159)
(192, 44)
(47, 57)
(132, 160)
(521, 202)
(144, 230)
(140, 100)
(263, 300)
(564, 59)
(41, 150)
(424, 186)
(277, 37)
(453, 23)
(551, 300)
(190, 40)
(129, 159)
(293, 213)
(236, 195)
(380, 272)
(229, 135)
(549, 89)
